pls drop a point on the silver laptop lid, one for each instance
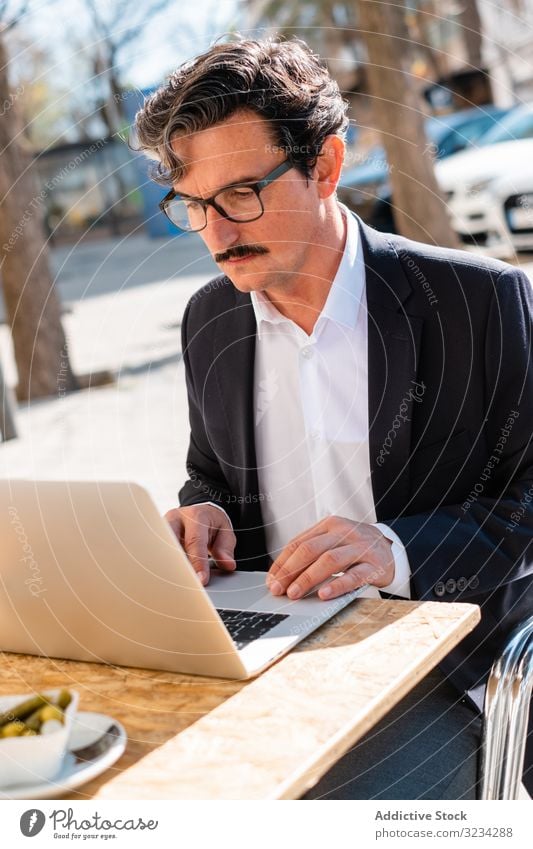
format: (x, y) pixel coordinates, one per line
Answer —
(91, 571)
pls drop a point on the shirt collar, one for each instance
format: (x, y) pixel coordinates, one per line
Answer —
(344, 298)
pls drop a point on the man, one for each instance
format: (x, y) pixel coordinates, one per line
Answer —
(360, 405)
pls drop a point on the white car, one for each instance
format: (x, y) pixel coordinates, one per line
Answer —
(489, 193)
(489, 190)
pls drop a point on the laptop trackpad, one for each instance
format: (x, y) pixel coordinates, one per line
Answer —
(248, 591)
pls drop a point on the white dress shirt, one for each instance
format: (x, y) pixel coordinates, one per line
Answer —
(311, 414)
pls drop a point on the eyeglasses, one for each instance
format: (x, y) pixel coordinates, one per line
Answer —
(240, 202)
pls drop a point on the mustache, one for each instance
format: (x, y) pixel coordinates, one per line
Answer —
(238, 251)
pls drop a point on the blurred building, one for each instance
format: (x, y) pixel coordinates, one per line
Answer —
(88, 189)
(508, 48)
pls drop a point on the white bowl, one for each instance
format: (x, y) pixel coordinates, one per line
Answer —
(25, 760)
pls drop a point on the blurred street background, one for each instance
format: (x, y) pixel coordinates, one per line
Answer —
(94, 280)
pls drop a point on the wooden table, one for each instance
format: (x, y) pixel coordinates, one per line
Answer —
(272, 737)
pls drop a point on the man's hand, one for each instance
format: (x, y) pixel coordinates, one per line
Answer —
(333, 545)
(204, 530)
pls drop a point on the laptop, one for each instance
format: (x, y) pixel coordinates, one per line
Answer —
(91, 571)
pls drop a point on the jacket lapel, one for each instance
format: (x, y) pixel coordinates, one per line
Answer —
(233, 357)
(393, 356)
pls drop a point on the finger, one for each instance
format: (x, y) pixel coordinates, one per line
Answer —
(291, 546)
(173, 518)
(195, 544)
(313, 531)
(304, 553)
(332, 561)
(357, 576)
(330, 524)
(222, 549)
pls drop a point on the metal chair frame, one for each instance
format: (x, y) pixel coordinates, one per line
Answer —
(8, 429)
(506, 713)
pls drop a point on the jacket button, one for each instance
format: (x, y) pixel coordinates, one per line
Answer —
(473, 583)
(439, 588)
(451, 585)
(462, 584)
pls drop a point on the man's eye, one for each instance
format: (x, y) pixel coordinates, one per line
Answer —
(192, 205)
(240, 193)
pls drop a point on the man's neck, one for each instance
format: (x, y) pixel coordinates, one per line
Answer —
(304, 300)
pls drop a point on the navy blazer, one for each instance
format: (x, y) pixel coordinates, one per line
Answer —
(450, 399)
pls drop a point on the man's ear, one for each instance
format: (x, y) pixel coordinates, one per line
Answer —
(328, 167)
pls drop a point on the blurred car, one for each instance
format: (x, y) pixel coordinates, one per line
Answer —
(489, 192)
(516, 124)
(365, 188)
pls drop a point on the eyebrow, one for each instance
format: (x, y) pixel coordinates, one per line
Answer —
(253, 179)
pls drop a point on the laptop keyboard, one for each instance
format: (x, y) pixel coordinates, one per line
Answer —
(245, 626)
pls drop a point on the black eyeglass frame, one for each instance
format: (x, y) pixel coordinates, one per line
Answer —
(256, 187)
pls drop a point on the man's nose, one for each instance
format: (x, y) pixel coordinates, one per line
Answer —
(220, 232)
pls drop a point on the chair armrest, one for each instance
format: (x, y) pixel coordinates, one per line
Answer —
(505, 717)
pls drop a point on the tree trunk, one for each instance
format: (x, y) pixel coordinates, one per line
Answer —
(424, 22)
(419, 209)
(32, 303)
(112, 110)
(471, 28)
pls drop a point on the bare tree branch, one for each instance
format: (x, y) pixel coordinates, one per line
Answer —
(112, 28)
(7, 24)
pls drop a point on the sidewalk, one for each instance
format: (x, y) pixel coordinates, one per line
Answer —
(124, 300)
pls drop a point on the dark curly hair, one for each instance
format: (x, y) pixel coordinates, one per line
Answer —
(282, 81)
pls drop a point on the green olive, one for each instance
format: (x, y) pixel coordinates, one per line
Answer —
(23, 710)
(13, 729)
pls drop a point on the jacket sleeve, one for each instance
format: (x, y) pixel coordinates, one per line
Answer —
(206, 481)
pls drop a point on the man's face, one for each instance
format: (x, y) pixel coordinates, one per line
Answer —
(282, 241)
